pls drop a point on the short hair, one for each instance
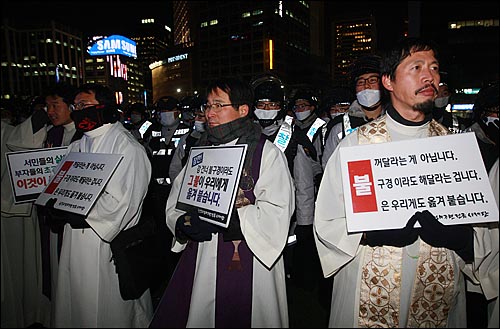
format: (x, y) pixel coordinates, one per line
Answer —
(404, 48)
(239, 92)
(103, 94)
(64, 90)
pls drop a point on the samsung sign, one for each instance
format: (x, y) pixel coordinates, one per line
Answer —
(114, 45)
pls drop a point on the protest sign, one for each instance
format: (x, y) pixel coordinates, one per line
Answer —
(30, 171)
(211, 180)
(385, 184)
(79, 180)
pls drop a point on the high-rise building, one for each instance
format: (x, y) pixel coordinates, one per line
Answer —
(213, 39)
(112, 61)
(34, 58)
(352, 38)
(152, 36)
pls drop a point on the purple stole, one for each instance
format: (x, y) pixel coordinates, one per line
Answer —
(233, 296)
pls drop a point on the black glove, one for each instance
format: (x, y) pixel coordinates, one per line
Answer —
(398, 238)
(39, 119)
(459, 238)
(302, 139)
(233, 231)
(190, 226)
(304, 233)
(75, 220)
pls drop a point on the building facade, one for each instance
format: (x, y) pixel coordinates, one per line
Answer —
(33, 58)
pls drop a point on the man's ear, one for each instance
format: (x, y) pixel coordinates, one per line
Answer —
(243, 109)
(386, 82)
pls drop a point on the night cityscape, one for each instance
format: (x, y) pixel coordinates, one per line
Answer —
(192, 42)
(325, 186)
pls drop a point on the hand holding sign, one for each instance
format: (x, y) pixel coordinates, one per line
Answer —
(61, 216)
(455, 237)
(397, 238)
(191, 226)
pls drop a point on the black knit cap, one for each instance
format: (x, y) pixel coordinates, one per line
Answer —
(364, 64)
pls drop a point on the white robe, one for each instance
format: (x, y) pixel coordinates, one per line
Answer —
(88, 291)
(491, 284)
(265, 228)
(21, 281)
(341, 253)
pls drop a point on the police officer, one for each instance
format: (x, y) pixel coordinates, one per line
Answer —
(269, 104)
(165, 132)
(304, 155)
(193, 116)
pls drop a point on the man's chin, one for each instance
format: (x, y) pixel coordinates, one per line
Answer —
(425, 107)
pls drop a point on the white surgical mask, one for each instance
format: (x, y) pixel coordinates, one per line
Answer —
(168, 119)
(334, 114)
(266, 114)
(199, 126)
(441, 101)
(135, 118)
(368, 97)
(302, 115)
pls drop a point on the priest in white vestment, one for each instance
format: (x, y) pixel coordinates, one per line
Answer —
(402, 277)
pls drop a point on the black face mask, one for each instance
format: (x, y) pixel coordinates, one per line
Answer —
(93, 117)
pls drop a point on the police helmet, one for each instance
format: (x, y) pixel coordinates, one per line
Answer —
(306, 94)
(336, 97)
(166, 103)
(189, 106)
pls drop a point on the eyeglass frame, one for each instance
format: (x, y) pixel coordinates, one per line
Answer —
(216, 107)
(301, 106)
(269, 105)
(375, 79)
(79, 106)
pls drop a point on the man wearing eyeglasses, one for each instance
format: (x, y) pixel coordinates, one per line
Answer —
(87, 273)
(304, 159)
(269, 107)
(369, 104)
(232, 277)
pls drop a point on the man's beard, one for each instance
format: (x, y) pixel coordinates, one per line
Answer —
(424, 107)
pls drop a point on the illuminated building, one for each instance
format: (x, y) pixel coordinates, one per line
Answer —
(112, 61)
(242, 39)
(33, 58)
(352, 38)
(152, 36)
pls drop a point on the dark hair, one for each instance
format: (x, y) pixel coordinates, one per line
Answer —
(404, 48)
(103, 94)
(64, 90)
(239, 92)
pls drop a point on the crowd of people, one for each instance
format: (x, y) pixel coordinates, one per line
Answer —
(285, 257)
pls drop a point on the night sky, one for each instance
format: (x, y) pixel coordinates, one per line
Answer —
(88, 16)
(114, 16)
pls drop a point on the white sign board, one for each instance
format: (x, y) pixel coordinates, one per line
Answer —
(79, 181)
(385, 184)
(30, 171)
(210, 183)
